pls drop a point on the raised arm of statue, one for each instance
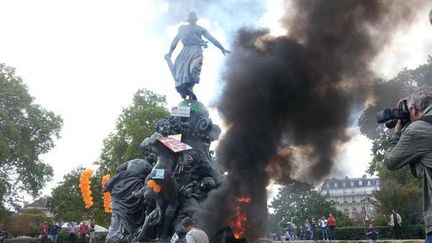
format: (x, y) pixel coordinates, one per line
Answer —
(174, 43)
(215, 42)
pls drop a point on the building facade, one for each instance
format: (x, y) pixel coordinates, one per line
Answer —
(352, 195)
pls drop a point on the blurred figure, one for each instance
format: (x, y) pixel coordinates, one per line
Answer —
(71, 232)
(44, 232)
(323, 227)
(3, 235)
(53, 230)
(395, 222)
(92, 232)
(371, 234)
(313, 227)
(83, 230)
(331, 224)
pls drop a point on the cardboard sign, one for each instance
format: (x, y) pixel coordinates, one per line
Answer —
(182, 111)
(173, 144)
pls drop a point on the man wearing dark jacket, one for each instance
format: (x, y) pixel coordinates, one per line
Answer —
(412, 145)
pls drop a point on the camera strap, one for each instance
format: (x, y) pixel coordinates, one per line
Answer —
(426, 119)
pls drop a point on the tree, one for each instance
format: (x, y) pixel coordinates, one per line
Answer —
(27, 223)
(298, 202)
(134, 124)
(66, 202)
(26, 131)
(399, 189)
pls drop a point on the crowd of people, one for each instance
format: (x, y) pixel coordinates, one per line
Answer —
(314, 229)
(324, 229)
(49, 232)
(82, 231)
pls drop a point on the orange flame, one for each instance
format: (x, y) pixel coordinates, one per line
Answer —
(106, 195)
(85, 187)
(239, 223)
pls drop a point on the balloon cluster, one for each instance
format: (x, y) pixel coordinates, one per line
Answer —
(106, 195)
(85, 187)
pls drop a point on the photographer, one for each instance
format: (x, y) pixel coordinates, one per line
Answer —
(412, 144)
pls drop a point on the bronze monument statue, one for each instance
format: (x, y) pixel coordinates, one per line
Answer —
(187, 66)
(152, 195)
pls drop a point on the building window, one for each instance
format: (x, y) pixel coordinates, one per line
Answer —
(354, 209)
(328, 185)
(343, 184)
(352, 183)
(369, 183)
(360, 183)
(335, 185)
(345, 200)
(353, 200)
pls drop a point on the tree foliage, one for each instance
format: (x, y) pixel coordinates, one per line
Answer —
(134, 124)
(298, 202)
(66, 202)
(27, 223)
(27, 130)
(399, 189)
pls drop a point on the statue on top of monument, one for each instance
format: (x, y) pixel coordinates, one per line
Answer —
(187, 66)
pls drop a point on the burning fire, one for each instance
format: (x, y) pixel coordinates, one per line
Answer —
(239, 224)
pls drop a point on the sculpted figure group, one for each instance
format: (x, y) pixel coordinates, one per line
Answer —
(149, 202)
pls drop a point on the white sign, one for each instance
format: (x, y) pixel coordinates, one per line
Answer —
(182, 111)
(158, 174)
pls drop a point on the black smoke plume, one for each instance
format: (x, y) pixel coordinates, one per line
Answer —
(295, 93)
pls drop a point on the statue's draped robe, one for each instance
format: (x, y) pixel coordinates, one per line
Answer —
(128, 210)
(187, 66)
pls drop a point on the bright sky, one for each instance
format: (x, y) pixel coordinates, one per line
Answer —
(84, 60)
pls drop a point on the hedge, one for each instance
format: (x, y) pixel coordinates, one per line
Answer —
(63, 237)
(384, 232)
(23, 240)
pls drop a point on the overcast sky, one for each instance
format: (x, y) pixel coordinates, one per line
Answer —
(84, 60)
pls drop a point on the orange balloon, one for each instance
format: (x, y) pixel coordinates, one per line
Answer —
(151, 183)
(157, 188)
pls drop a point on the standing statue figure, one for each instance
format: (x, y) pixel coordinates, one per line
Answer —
(187, 66)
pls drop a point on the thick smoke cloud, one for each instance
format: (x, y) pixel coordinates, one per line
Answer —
(294, 94)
